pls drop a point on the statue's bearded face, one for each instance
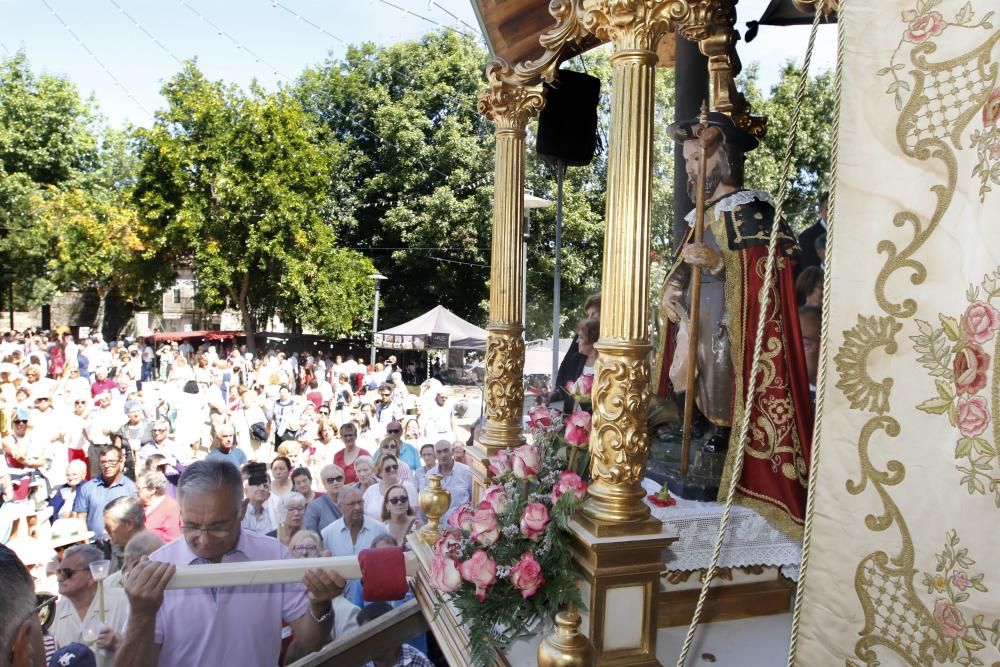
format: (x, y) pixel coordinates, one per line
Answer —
(715, 169)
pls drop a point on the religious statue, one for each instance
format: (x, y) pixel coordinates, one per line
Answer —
(731, 259)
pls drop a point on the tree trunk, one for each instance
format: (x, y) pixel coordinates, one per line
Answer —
(102, 306)
(249, 326)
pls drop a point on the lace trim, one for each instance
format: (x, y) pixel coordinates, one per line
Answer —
(730, 202)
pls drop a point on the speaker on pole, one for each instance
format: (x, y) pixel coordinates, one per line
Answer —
(567, 125)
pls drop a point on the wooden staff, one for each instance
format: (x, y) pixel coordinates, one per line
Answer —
(707, 138)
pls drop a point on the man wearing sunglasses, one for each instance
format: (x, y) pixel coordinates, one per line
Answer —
(20, 631)
(324, 510)
(77, 610)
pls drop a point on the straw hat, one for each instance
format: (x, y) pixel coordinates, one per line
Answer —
(70, 531)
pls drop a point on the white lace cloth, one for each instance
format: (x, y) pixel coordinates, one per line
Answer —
(750, 540)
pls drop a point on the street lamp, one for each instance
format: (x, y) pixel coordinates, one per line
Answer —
(530, 202)
(378, 278)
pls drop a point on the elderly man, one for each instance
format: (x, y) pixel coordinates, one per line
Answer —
(123, 518)
(355, 531)
(226, 451)
(455, 477)
(102, 383)
(142, 544)
(324, 510)
(20, 630)
(257, 516)
(77, 609)
(95, 494)
(220, 626)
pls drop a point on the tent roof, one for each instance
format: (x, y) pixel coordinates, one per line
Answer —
(440, 320)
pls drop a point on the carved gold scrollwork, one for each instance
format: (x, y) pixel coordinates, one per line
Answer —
(634, 25)
(508, 105)
(619, 442)
(504, 366)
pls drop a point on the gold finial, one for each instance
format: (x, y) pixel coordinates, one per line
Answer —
(566, 646)
(434, 501)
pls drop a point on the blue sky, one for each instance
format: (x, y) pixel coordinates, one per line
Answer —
(259, 39)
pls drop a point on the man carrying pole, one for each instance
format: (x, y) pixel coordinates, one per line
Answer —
(720, 309)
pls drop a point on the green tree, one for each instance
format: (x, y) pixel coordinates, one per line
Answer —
(236, 185)
(48, 139)
(811, 158)
(414, 190)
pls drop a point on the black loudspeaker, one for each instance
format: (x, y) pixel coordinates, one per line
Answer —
(567, 126)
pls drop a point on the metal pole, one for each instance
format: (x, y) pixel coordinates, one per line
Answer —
(557, 277)
(524, 261)
(375, 322)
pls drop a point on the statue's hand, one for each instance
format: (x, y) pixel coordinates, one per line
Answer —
(699, 254)
(673, 304)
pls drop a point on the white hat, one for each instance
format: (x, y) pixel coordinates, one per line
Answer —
(70, 531)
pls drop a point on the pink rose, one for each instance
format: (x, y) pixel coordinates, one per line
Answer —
(973, 416)
(980, 322)
(578, 428)
(540, 417)
(481, 571)
(499, 463)
(526, 576)
(991, 110)
(444, 575)
(524, 461)
(949, 619)
(569, 482)
(485, 529)
(449, 544)
(461, 518)
(924, 27)
(534, 520)
(494, 499)
(970, 367)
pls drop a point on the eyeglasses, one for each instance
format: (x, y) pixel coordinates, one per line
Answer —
(108, 464)
(394, 430)
(398, 500)
(79, 402)
(334, 480)
(220, 529)
(325, 413)
(305, 549)
(390, 468)
(16, 422)
(158, 430)
(351, 436)
(65, 573)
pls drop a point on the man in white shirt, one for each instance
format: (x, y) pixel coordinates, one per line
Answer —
(455, 477)
(354, 532)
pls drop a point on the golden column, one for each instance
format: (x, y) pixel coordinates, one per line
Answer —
(619, 443)
(510, 107)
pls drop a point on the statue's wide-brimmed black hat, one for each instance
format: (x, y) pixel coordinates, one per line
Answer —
(683, 130)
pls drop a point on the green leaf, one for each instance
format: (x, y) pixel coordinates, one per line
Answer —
(972, 644)
(951, 328)
(982, 446)
(963, 448)
(935, 406)
(945, 390)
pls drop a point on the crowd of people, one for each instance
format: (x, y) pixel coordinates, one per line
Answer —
(117, 451)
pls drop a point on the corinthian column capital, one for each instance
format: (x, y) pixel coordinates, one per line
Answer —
(634, 25)
(510, 106)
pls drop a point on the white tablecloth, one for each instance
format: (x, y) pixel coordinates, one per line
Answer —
(750, 540)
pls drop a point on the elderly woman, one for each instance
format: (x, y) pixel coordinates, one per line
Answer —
(294, 505)
(364, 466)
(388, 473)
(390, 447)
(398, 514)
(163, 514)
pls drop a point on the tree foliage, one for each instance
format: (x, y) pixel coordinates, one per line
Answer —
(236, 185)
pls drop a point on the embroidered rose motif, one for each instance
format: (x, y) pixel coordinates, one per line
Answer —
(991, 111)
(960, 580)
(973, 416)
(923, 27)
(939, 583)
(949, 619)
(980, 322)
(970, 369)
(779, 409)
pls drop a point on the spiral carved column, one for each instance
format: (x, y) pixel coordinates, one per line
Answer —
(510, 107)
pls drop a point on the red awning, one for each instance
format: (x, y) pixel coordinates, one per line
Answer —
(194, 335)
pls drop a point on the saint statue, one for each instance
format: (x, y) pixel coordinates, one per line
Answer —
(732, 258)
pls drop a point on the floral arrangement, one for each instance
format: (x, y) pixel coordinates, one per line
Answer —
(505, 563)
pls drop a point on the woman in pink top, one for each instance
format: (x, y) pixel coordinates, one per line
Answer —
(163, 514)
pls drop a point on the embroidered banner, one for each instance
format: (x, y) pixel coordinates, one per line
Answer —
(905, 540)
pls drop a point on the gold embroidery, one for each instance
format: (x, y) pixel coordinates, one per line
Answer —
(861, 390)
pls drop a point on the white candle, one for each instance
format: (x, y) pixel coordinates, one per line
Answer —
(269, 571)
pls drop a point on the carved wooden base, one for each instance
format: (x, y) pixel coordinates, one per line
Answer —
(726, 602)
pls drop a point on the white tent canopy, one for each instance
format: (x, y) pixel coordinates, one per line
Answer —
(437, 328)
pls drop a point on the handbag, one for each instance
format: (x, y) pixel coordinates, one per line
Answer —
(258, 431)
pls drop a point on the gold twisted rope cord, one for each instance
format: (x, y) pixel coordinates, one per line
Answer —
(824, 333)
(772, 246)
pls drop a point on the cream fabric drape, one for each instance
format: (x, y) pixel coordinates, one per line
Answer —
(904, 565)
